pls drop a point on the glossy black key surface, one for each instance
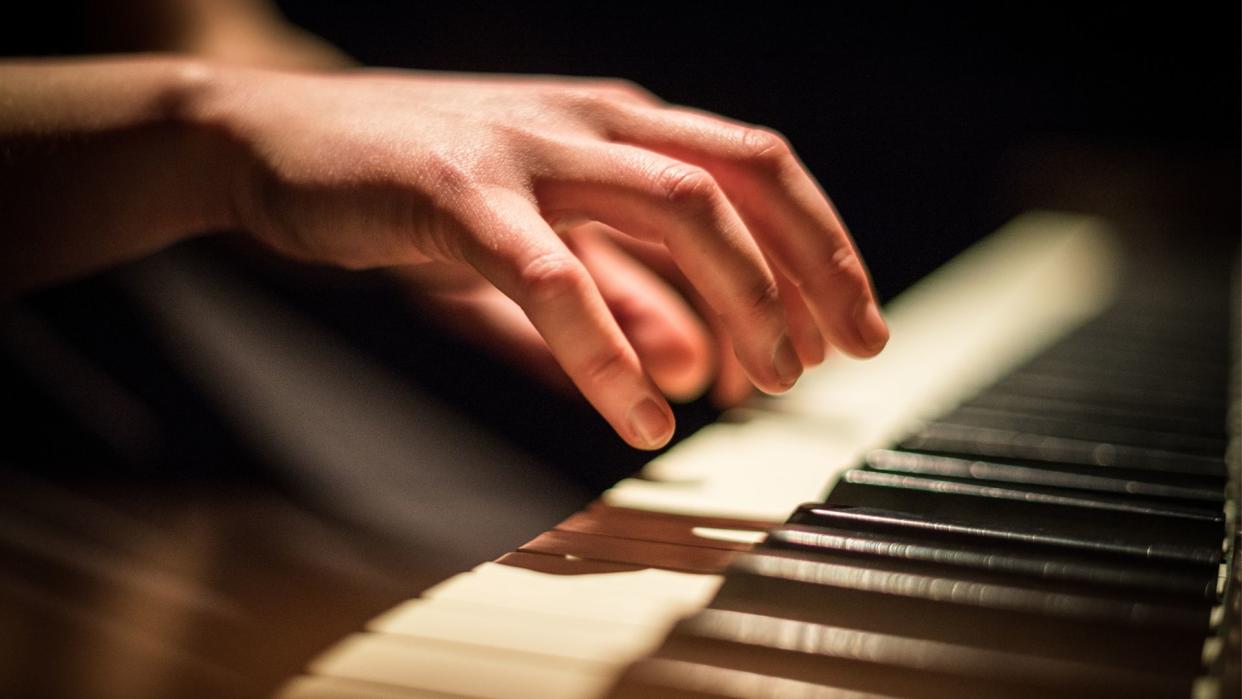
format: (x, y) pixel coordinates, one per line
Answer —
(919, 607)
(986, 442)
(1151, 417)
(1137, 579)
(1087, 430)
(1208, 492)
(1090, 354)
(1036, 495)
(973, 587)
(985, 669)
(1144, 536)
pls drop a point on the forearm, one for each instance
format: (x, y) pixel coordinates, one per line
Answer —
(99, 164)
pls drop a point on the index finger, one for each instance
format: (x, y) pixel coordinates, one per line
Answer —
(782, 206)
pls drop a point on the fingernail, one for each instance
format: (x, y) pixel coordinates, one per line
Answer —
(872, 330)
(786, 363)
(650, 424)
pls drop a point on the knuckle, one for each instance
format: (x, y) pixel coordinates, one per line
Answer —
(765, 147)
(687, 185)
(764, 297)
(606, 364)
(585, 101)
(627, 89)
(551, 277)
(839, 268)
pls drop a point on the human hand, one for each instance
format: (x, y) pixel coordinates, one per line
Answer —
(678, 339)
(383, 168)
(671, 340)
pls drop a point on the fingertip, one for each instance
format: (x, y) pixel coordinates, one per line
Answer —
(810, 345)
(651, 424)
(872, 331)
(786, 364)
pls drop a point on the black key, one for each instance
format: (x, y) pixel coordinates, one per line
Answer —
(1031, 494)
(990, 671)
(1136, 579)
(1087, 430)
(1151, 385)
(978, 441)
(1203, 369)
(1002, 521)
(967, 587)
(1209, 490)
(950, 611)
(695, 667)
(1199, 407)
(1156, 417)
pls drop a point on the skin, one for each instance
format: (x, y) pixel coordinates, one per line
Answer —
(629, 233)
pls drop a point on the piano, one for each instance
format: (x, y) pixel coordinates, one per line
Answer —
(1032, 492)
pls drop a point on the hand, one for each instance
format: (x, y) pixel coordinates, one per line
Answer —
(683, 351)
(379, 168)
(671, 341)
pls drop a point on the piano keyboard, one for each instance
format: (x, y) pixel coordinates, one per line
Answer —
(1028, 495)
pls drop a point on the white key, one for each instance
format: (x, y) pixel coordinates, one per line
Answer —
(408, 662)
(515, 629)
(307, 687)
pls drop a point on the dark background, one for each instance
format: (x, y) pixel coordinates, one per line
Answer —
(917, 118)
(928, 126)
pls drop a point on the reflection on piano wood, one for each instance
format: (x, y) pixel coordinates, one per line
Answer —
(1028, 498)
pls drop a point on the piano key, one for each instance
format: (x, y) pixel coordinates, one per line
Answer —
(665, 678)
(1152, 417)
(968, 588)
(608, 597)
(634, 607)
(1087, 348)
(986, 670)
(1210, 490)
(503, 674)
(981, 616)
(716, 477)
(1084, 355)
(1194, 535)
(479, 623)
(1086, 430)
(1214, 483)
(1031, 384)
(1138, 578)
(1001, 524)
(711, 532)
(845, 673)
(562, 565)
(713, 663)
(1129, 326)
(1030, 494)
(691, 559)
(336, 688)
(979, 441)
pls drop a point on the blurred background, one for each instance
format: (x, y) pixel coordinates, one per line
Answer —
(215, 463)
